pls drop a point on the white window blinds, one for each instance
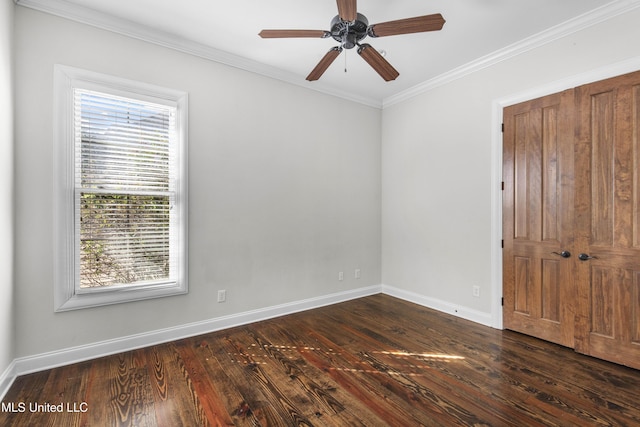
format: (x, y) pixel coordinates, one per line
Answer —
(125, 190)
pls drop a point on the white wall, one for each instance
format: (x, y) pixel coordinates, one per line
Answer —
(437, 166)
(284, 187)
(6, 186)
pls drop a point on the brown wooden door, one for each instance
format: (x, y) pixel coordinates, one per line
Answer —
(538, 282)
(608, 219)
(572, 183)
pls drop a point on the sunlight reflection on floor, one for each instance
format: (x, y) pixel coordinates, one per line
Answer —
(424, 355)
(258, 356)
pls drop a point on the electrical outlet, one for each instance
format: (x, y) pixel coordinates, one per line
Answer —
(476, 291)
(341, 276)
(222, 295)
(357, 273)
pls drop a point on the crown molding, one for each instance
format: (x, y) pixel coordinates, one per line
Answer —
(67, 10)
(128, 28)
(596, 16)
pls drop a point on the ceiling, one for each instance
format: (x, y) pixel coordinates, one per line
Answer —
(228, 31)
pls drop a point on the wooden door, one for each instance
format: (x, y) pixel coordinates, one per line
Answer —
(572, 185)
(538, 284)
(607, 213)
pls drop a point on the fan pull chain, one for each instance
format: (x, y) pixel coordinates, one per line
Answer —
(345, 61)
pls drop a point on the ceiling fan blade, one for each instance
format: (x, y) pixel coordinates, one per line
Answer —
(377, 62)
(348, 10)
(324, 63)
(277, 34)
(418, 24)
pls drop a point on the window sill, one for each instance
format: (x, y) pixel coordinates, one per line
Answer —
(97, 298)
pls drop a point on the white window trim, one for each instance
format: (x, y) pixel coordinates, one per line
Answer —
(66, 297)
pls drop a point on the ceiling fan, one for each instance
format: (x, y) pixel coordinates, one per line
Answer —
(350, 27)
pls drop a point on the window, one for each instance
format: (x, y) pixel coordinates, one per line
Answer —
(120, 190)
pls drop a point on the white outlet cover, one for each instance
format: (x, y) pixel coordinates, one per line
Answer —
(222, 296)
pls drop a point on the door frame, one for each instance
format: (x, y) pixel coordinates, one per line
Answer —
(605, 72)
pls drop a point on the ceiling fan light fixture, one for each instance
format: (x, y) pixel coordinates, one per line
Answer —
(349, 41)
(349, 28)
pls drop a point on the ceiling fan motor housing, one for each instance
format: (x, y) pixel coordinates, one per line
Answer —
(349, 33)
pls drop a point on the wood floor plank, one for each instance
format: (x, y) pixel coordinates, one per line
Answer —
(558, 396)
(172, 401)
(253, 407)
(374, 361)
(569, 386)
(284, 398)
(203, 388)
(369, 386)
(98, 395)
(335, 405)
(319, 398)
(441, 366)
(234, 402)
(131, 390)
(425, 394)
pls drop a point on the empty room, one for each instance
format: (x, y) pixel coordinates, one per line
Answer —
(320, 213)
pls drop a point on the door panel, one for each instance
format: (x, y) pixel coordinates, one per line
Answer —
(607, 217)
(572, 183)
(537, 225)
(551, 290)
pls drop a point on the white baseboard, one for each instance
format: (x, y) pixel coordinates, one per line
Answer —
(39, 362)
(7, 378)
(443, 306)
(25, 365)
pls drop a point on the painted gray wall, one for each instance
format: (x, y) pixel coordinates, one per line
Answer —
(6, 185)
(437, 164)
(284, 187)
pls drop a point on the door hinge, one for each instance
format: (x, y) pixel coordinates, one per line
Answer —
(502, 128)
(502, 185)
(502, 243)
(502, 301)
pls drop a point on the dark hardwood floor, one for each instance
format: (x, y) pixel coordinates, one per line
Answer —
(375, 361)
